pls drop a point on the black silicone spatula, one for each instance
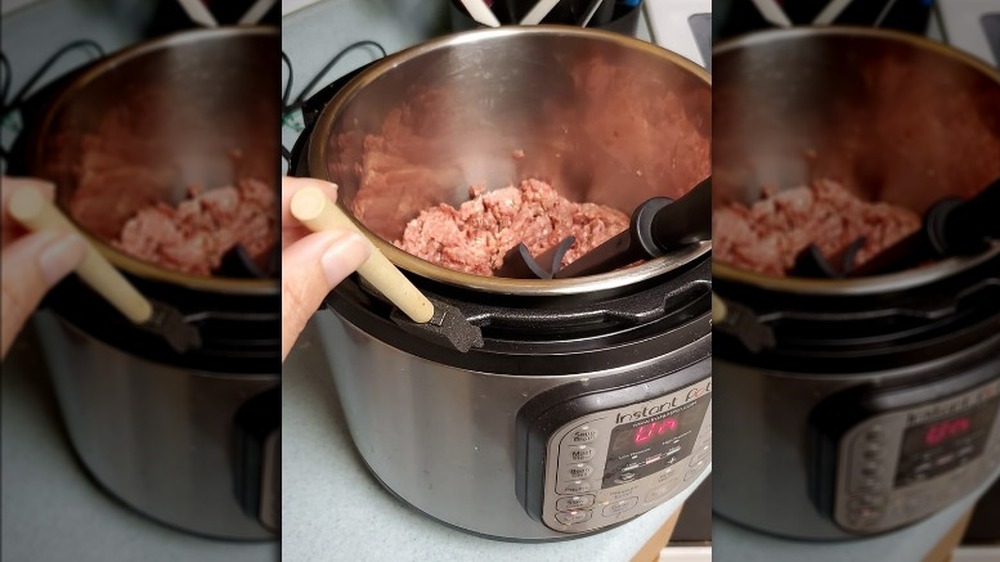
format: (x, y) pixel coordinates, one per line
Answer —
(658, 226)
(952, 227)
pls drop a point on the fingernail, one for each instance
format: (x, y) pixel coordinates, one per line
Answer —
(344, 256)
(61, 257)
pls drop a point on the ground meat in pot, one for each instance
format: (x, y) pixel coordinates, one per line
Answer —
(475, 237)
(126, 171)
(767, 236)
(193, 237)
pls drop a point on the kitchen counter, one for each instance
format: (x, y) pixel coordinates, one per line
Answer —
(734, 543)
(333, 509)
(52, 510)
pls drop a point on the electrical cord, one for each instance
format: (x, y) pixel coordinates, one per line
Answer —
(5, 85)
(48, 64)
(301, 98)
(289, 106)
(8, 106)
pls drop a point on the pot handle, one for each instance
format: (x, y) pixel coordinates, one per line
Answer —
(742, 323)
(257, 470)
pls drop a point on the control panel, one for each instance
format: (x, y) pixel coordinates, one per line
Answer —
(901, 466)
(609, 466)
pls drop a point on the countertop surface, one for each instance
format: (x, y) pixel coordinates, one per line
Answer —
(53, 511)
(733, 543)
(333, 509)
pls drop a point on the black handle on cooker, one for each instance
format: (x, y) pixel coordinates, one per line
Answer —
(257, 470)
(685, 221)
(957, 227)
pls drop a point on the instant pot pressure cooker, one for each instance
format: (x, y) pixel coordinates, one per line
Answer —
(189, 439)
(590, 401)
(876, 405)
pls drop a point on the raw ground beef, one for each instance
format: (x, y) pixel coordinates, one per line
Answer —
(475, 237)
(127, 167)
(767, 236)
(194, 236)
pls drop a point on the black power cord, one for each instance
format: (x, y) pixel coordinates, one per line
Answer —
(289, 105)
(9, 106)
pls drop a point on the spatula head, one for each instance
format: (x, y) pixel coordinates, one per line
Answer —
(169, 323)
(448, 327)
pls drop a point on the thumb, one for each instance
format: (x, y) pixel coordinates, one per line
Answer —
(32, 265)
(310, 269)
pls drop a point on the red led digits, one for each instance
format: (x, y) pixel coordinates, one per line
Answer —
(647, 431)
(946, 429)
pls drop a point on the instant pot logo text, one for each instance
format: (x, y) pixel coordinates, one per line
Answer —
(691, 394)
(956, 406)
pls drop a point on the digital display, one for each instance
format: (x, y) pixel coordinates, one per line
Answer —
(937, 446)
(642, 447)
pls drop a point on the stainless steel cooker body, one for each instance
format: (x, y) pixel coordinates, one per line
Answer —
(590, 402)
(773, 475)
(188, 439)
(876, 406)
(181, 445)
(451, 441)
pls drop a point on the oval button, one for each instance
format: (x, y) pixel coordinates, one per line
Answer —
(574, 503)
(620, 506)
(574, 517)
(576, 487)
(662, 491)
(581, 435)
(580, 453)
(578, 471)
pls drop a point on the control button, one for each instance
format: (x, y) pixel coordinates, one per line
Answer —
(625, 477)
(689, 475)
(580, 453)
(574, 503)
(620, 506)
(574, 517)
(865, 515)
(872, 451)
(866, 500)
(697, 463)
(666, 474)
(875, 433)
(578, 471)
(581, 435)
(872, 469)
(661, 491)
(867, 484)
(574, 487)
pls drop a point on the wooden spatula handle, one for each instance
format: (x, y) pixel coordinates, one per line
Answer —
(315, 210)
(30, 208)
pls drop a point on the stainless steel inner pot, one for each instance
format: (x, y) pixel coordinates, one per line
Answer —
(602, 117)
(894, 117)
(181, 106)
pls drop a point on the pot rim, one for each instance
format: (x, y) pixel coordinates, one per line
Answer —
(130, 264)
(877, 283)
(319, 150)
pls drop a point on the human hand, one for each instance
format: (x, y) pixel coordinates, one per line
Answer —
(312, 263)
(32, 262)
